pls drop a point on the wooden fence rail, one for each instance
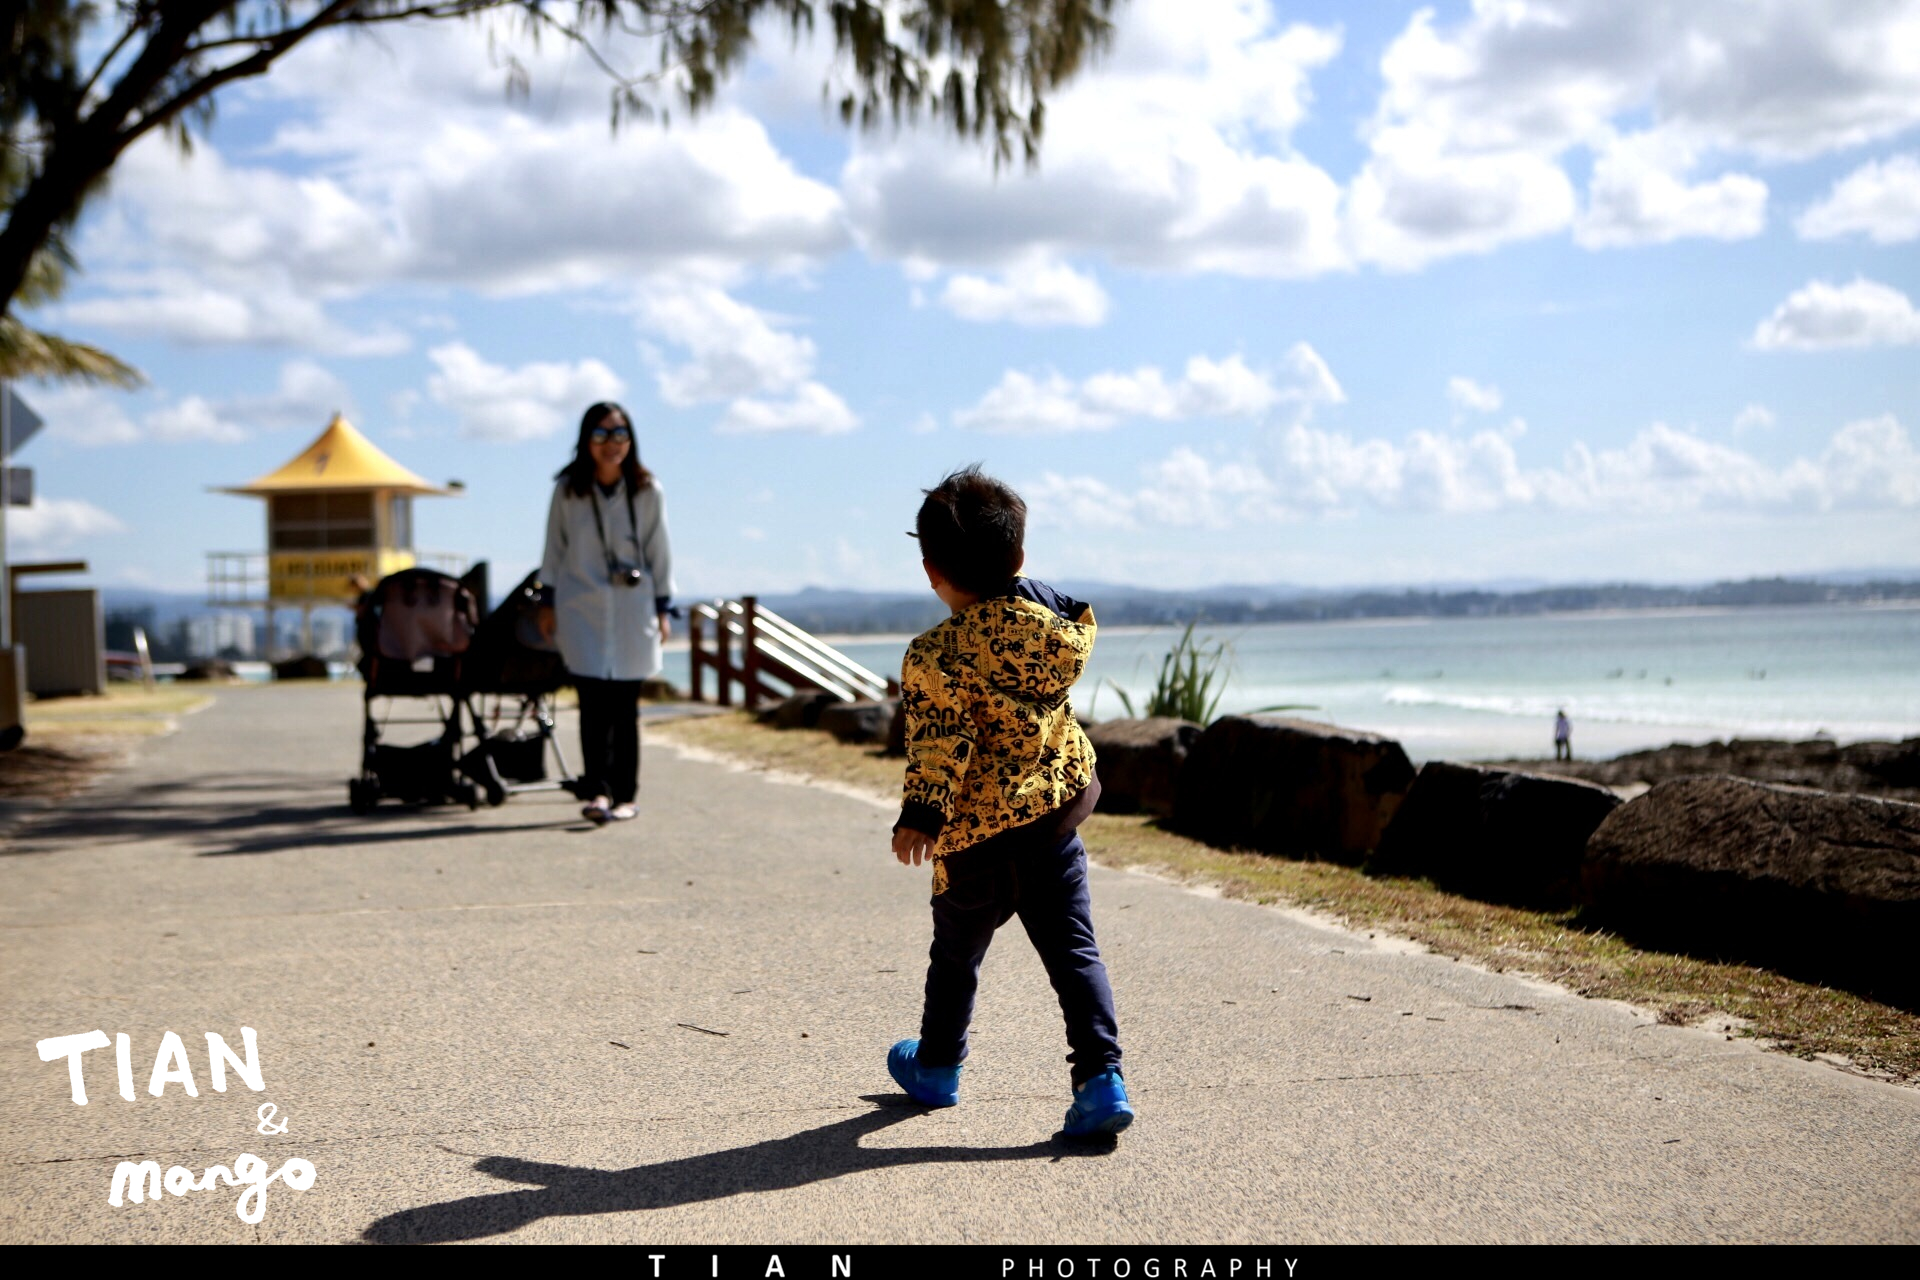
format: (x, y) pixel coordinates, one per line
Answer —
(746, 645)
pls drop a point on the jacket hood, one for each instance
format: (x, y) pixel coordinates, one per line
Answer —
(1030, 644)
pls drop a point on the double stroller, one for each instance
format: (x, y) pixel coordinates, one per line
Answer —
(490, 682)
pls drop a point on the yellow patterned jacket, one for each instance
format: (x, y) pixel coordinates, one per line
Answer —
(992, 742)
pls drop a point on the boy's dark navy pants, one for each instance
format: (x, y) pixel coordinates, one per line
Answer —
(1039, 873)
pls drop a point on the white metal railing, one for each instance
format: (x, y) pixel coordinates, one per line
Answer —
(770, 646)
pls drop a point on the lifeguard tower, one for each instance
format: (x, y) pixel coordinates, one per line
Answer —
(339, 519)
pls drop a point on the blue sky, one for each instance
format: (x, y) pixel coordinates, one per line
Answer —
(1306, 293)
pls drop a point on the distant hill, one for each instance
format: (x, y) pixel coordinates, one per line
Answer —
(828, 610)
(860, 612)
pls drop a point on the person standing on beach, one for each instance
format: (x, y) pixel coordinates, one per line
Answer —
(610, 565)
(999, 778)
(1562, 736)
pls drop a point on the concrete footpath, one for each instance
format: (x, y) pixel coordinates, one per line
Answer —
(508, 1025)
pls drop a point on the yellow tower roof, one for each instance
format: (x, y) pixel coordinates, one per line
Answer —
(340, 459)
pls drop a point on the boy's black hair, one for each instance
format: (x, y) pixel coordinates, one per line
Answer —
(973, 529)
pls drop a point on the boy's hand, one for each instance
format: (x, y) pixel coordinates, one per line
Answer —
(912, 847)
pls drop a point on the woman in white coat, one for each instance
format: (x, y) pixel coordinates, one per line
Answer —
(611, 569)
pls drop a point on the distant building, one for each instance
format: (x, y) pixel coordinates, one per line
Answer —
(219, 635)
(332, 633)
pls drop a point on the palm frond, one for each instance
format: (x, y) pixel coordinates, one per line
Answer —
(29, 353)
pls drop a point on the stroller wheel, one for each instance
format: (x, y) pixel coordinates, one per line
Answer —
(466, 793)
(362, 795)
(496, 795)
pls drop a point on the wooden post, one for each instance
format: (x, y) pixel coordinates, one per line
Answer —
(693, 653)
(749, 658)
(723, 655)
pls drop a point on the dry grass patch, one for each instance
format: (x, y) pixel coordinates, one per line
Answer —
(123, 711)
(72, 741)
(1795, 1017)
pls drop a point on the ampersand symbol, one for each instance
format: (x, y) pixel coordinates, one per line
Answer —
(266, 1113)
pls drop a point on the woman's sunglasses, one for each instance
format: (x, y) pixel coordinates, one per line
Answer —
(600, 435)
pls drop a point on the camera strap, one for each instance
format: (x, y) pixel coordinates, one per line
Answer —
(600, 526)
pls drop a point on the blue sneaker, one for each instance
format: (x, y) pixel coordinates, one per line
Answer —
(1099, 1106)
(929, 1086)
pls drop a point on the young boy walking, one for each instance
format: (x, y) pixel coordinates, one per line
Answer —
(999, 779)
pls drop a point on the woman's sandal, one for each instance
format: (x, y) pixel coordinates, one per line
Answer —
(622, 813)
(596, 813)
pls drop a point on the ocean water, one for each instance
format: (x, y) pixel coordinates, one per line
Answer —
(1487, 688)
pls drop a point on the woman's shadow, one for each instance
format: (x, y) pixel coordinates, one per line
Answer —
(814, 1155)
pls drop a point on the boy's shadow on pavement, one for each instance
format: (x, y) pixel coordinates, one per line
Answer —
(814, 1155)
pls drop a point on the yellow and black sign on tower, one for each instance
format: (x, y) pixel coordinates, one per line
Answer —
(339, 518)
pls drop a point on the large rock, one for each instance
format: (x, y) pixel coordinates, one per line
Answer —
(1890, 769)
(857, 721)
(659, 689)
(1296, 787)
(1891, 765)
(1806, 880)
(1140, 761)
(304, 667)
(797, 711)
(1494, 834)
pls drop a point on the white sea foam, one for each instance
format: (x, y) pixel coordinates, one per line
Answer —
(1748, 719)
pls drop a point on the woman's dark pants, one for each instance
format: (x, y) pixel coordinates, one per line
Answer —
(1040, 876)
(609, 738)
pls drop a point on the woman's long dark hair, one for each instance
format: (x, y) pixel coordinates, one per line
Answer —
(579, 473)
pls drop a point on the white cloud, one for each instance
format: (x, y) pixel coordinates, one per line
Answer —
(1172, 154)
(1207, 388)
(1077, 502)
(1822, 316)
(736, 350)
(811, 409)
(1755, 417)
(263, 310)
(307, 395)
(1020, 404)
(1880, 200)
(1185, 489)
(1639, 195)
(1465, 393)
(1178, 153)
(190, 420)
(1775, 78)
(1037, 294)
(52, 524)
(1868, 465)
(532, 402)
(421, 171)
(738, 354)
(1415, 202)
(1477, 117)
(89, 416)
